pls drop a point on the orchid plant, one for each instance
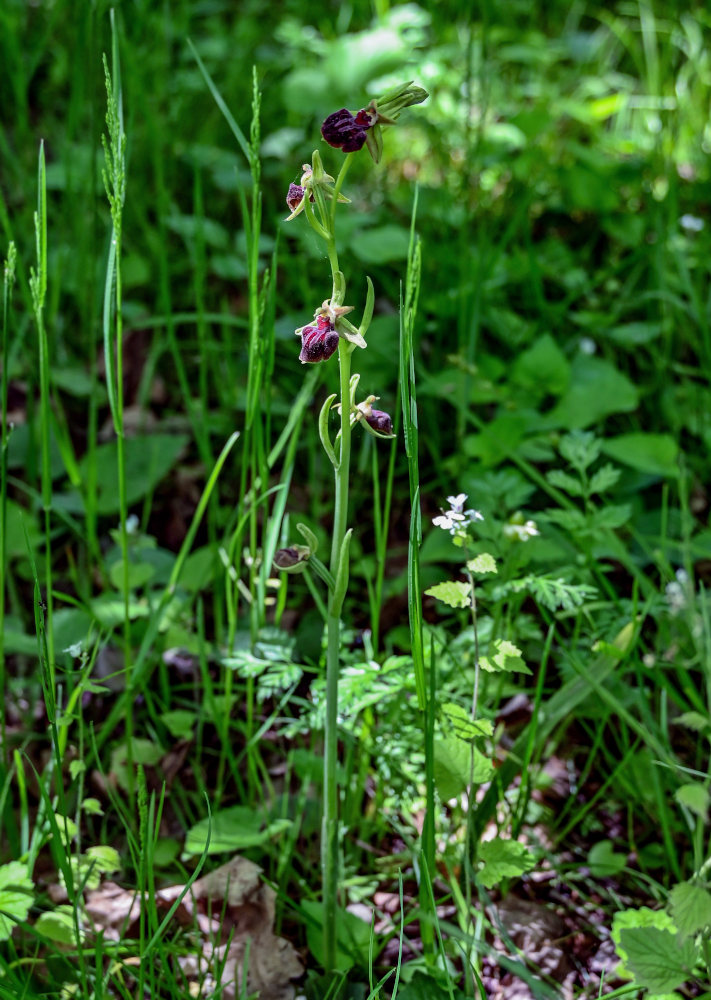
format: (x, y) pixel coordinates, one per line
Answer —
(317, 197)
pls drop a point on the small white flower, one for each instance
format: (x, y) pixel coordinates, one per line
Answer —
(457, 519)
(587, 346)
(521, 532)
(691, 223)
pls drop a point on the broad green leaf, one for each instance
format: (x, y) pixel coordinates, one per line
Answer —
(234, 829)
(659, 960)
(353, 936)
(502, 859)
(503, 656)
(149, 458)
(58, 925)
(695, 797)
(381, 245)
(690, 908)
(604, 861)
(104, 858)
(452, 762)
(451, 767)
(15, 896)
(543, 369)
(139, 573)
(464, 726)
(597, 390)
(455, 593)
(642, 917)
(654, 453)
(179, 723)
(483, 563)
(92, 807)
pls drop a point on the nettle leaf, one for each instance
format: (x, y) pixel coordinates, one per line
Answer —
(695, 797)
(690, 908)
(15, 896)
(659, 960)
(641, 917)
(483, 563)
(503, 859)
(464, 726)
(503, 656)
(455, 593)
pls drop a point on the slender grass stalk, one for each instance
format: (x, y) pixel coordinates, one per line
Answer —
(8, 284)
(114, 176)
(38, 289)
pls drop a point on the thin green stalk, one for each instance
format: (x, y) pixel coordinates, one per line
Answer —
(8, 283)
(339, 572)
(38, 288)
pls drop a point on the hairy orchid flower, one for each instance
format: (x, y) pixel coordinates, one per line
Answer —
(350, 132)
(319, 339)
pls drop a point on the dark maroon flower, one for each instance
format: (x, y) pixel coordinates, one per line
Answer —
(380, 421)
(290, 560)
(295, 196)
(319, 340)
(346, 131)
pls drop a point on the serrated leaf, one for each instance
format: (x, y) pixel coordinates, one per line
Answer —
(570, 520)
(604, 478)
(642, 917)
(502, 859)
(695, 797)
(483, 563)
(611, 516)
(455, 593)
(564, 481)
(690, 908)
(658, 959)
(503, 656)
(466, 728)
(15, 896)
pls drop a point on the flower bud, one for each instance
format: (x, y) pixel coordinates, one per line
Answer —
(380, 421)
(292, 558)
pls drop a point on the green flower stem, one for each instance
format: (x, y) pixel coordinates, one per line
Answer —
(329, 829)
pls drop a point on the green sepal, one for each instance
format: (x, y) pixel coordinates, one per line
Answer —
(309, 537)
(323, 430)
